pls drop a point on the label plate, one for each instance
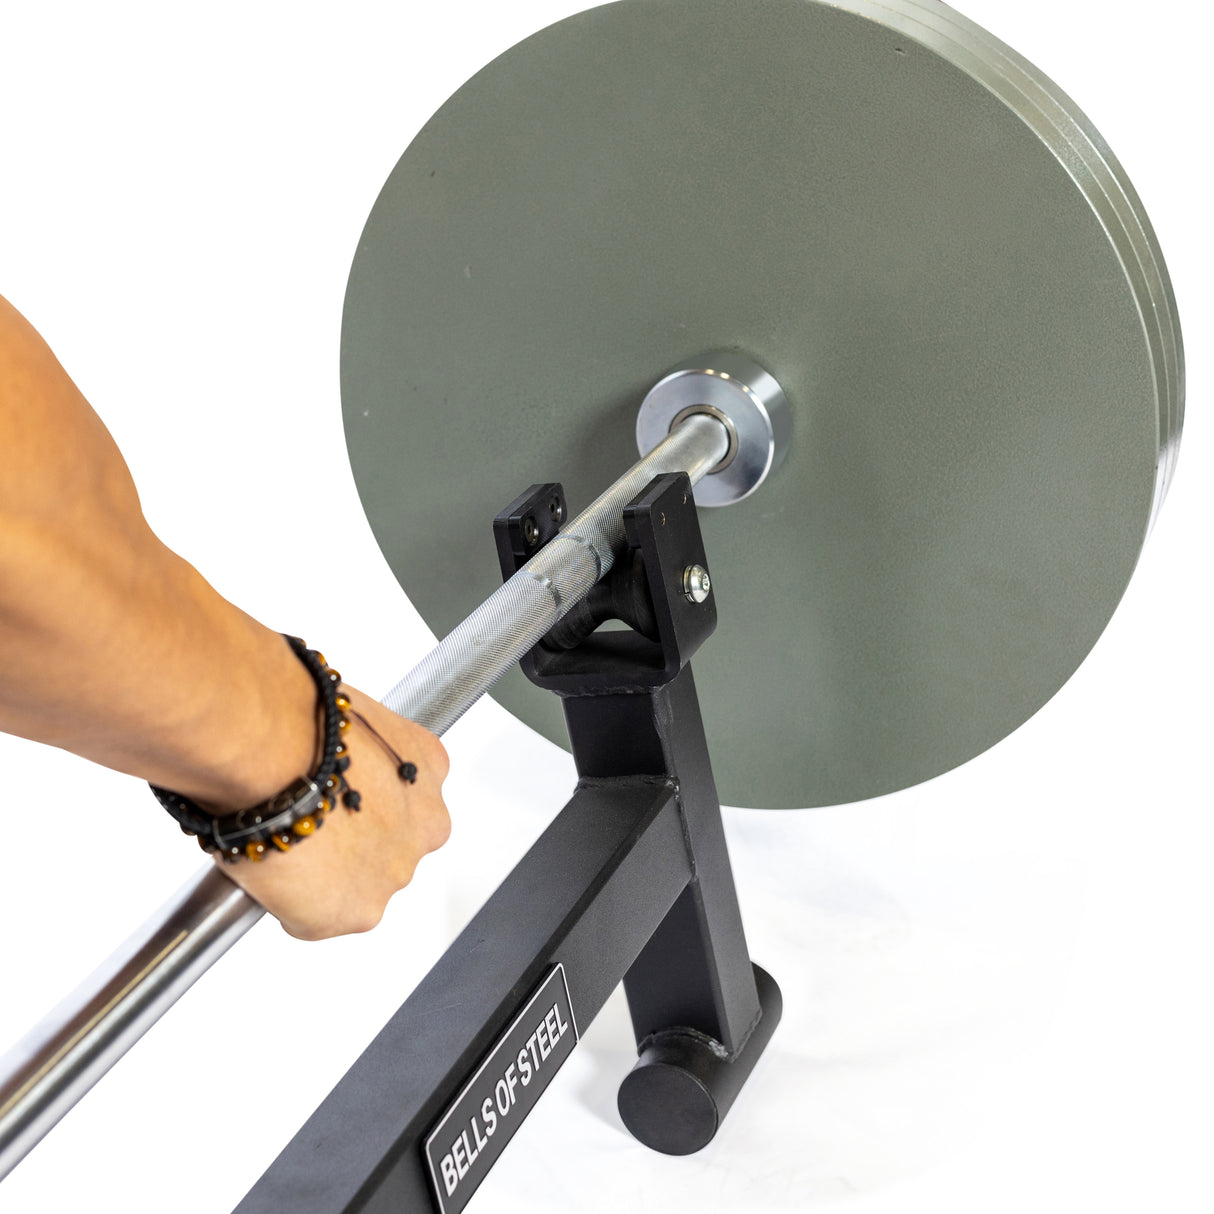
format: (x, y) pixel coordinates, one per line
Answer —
(473, 1132)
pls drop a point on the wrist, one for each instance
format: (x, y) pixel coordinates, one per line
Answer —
(300, 809)
(291, 812)
(272, 731)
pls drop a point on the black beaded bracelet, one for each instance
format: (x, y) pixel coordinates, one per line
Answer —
(300, 809)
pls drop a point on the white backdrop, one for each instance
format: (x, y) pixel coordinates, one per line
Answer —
(997, 985)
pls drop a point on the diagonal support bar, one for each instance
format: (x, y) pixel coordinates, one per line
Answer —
(587, 895)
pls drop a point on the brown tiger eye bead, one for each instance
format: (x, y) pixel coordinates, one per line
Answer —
(282, 842)
(343, 724)
(343, 702)
(305, 826)
(254, 850)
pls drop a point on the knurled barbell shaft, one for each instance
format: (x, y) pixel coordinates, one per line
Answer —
(66, 1053)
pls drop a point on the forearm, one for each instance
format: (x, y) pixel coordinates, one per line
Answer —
(112, 646)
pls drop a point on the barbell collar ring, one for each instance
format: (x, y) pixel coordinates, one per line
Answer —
(742, 395)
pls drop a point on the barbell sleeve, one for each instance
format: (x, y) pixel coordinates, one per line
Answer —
(66, 1053)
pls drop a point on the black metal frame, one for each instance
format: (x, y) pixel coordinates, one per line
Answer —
(632, 880)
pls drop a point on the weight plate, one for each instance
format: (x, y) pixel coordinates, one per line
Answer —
(922, 239)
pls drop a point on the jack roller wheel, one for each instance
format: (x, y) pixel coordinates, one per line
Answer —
(914, 232)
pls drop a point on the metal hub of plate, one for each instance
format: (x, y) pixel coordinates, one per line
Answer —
(745, 397)
(913, 230)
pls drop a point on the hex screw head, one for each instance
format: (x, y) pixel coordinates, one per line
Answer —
(696, 584)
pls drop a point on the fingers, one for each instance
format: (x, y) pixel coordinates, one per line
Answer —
(420, 802)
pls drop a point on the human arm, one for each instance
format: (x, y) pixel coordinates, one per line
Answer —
(115, 648)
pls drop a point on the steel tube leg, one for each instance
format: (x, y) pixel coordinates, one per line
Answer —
(701, 1012)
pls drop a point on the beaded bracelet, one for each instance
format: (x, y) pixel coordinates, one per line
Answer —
(300, 809)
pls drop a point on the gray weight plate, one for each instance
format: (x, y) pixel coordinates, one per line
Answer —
(923, 240)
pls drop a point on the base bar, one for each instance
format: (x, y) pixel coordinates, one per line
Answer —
(587, 896)
(476, 1128)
